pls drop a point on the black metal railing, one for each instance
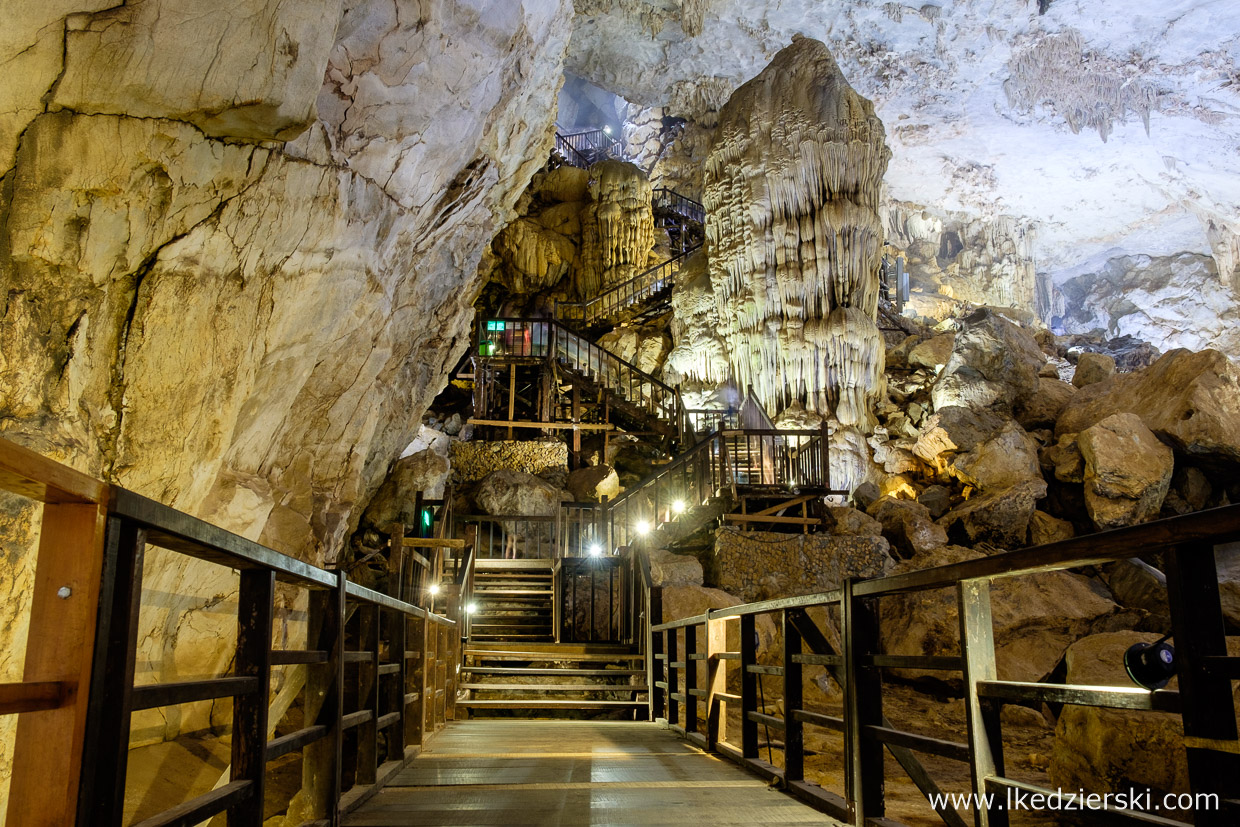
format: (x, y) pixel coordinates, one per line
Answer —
(534, 339)
(366, 710)
(690, 664)
(588, 146)
(626, 296)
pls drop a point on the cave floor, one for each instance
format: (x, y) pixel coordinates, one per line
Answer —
(574, 772)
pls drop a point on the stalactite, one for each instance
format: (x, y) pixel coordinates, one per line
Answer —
(617, 228)
(794, 238)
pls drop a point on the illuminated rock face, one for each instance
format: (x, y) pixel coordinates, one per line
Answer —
(793, 235)
(617, 228)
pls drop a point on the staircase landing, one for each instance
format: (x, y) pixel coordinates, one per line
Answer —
(574, 772)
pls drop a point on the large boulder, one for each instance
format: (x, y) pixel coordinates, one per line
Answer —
(425, 472)
(1136, 584)
(1042, 409)
(594, 483)
(1127, 471)
(1035, 618)
(1113, 750)
(671, 569)
(760, 565)
(510, 493)
(994, 364)
(933, 353)
(907, 525)
(1000, 518)
(955, 429)
(1043, 529)
(1189, 400)
(1009, 457)
(1091, 368)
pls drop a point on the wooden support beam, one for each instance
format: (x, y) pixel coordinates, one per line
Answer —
(977, 645)
(559, 426)
(255, 602)
(754, 518)
(433, 542)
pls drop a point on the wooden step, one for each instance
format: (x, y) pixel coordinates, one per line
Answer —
(511, 593)
(539, 672)
(553, 687)
(542, 703)
(552, 656)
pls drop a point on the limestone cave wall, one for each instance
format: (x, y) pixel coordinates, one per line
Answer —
(238, 252)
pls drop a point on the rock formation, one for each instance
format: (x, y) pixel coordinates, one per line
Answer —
(241, 325)
(617, 227)
(793, 237)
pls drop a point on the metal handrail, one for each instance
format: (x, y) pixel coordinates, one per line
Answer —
(626, 294)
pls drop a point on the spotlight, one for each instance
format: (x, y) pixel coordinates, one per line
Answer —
(607, 130)
(596, 550)
(678, 507)
(434, 589)
(1151, 665)
(642, 527)
(471, 608)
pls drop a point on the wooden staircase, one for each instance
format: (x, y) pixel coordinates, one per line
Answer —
(513, 602)
(553, 680)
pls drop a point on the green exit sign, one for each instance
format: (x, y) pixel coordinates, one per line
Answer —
(494, 326)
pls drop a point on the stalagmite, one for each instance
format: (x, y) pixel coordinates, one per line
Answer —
(617, 228)
(794, 238)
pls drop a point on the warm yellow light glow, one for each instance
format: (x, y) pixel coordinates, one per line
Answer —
(471, 608)
(596, 550)
(434, 589)
(678, 507)
(642, 528)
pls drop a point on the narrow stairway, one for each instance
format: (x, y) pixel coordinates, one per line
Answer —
(513, 601)
(553, 680)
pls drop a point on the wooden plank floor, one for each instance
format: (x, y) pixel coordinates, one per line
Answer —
(483, 772)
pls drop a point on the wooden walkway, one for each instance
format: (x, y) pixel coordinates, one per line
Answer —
(484, 772)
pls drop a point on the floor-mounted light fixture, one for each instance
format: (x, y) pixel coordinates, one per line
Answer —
(1151, 665)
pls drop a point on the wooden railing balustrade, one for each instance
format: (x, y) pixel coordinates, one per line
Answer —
(368, 708)
(690, 662)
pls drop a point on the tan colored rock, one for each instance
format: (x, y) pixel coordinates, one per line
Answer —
(151, 59)
(1127, 471)
(1227, 561)
(907, 525)
(1043, 528)
(566, 183)
(1106, 750)
(594, 483)
(1000, 518)
(1091, 368)
(645, 347)
(953, 430)
(845, 520)
(1035, 617)
(670, 569)
(777, 199)
(513, 493)
(1065, 459)
(617, 228)
(1009, 457)
(932, 353)
(536, 258)
(564, 219)
(471, 461)
(759, 565)
(1189, 400)
(1042, 408)
(994, 364)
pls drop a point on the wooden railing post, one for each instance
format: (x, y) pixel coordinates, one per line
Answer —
(321, 760)
(368, 695)
(691, 681)
(48, 753)
(101, 799)
(396, 692)
(794, 742)
(249, 737)
(749, 686)
(863, 706)
(716, 681)
(1208, 709)
(977, 644)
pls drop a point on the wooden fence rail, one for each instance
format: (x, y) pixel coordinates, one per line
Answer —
(369, 706)
(699, 709)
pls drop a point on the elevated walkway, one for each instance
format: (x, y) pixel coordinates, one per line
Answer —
(613, 772)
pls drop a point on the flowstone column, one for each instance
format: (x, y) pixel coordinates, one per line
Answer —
(794, 238)
(617, 229)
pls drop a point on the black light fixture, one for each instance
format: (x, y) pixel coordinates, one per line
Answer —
(1151, 665)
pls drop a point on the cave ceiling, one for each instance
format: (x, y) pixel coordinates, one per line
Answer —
(1114, 127)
